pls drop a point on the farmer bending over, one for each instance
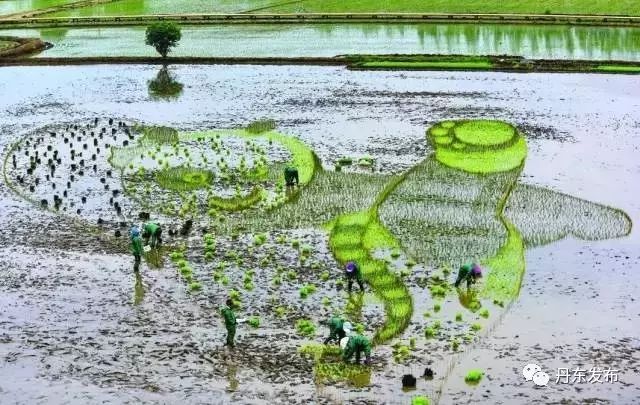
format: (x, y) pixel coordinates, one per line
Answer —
(470, 273)
(136, 247)
(152, 231)
(291, 176)
(352, 271)
(338, 329)
(356, 344)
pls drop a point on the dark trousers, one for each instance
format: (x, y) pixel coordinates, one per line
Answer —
(231, 334)
(136, 263)
(461, 278)
(350, 283)
(335, 336)
(367, 357)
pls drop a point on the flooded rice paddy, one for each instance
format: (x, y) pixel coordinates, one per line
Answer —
(78, 326)
(286, 40)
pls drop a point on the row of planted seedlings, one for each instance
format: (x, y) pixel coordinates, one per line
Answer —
(64, 168)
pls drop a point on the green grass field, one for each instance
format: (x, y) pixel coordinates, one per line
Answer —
(133, 7)
(618, 69)
(426, 65)
(617, 7)
(17, 6)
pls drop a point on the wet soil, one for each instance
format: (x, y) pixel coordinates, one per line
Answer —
(72, 334)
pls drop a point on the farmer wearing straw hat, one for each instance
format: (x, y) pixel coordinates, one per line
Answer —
(337, 329)
(356, 344)
(135, 246)
(352, 271)
(469, 273)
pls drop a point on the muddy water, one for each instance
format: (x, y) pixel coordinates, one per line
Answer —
(69, 326)
(532, 41)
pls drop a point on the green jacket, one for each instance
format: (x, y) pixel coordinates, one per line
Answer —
(465, 272)
(356, 343)
(136, 246)
(335, 324)
(151, 228)
(229, 317)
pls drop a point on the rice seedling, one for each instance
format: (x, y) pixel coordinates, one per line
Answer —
(484, 313)
(280, 311)
(458, 317)
(455, 344)
(254, 322)
(427, 314)
(400, 353)
(474, 376)
(325, 276)
(476, 327)
(438, 291)
(195, 286)
(307, 290)
(306, 327)
(260, 239)
(430, 332)
(420, 400)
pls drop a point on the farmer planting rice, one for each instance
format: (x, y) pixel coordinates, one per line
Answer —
(356, 344)
(469, 273)
(135, 247)
(291, 176)
(337, 329)
(230, 322)
(352, 272)
(152, 234)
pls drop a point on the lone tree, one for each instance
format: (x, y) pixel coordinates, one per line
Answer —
(163, 36)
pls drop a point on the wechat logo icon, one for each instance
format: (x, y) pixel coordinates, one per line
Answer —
(533, 372)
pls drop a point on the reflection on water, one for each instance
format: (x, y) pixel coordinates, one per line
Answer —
(164, 86)
(138, 289)
(262, 40)
(232, 370)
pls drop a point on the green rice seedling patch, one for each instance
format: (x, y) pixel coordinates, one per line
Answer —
(306, 327)
(474, 376)
(420, 400)
(354, 374)
(484, 132)
(159, 135)
(261, 126)
(481, 146)
(184, 178)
